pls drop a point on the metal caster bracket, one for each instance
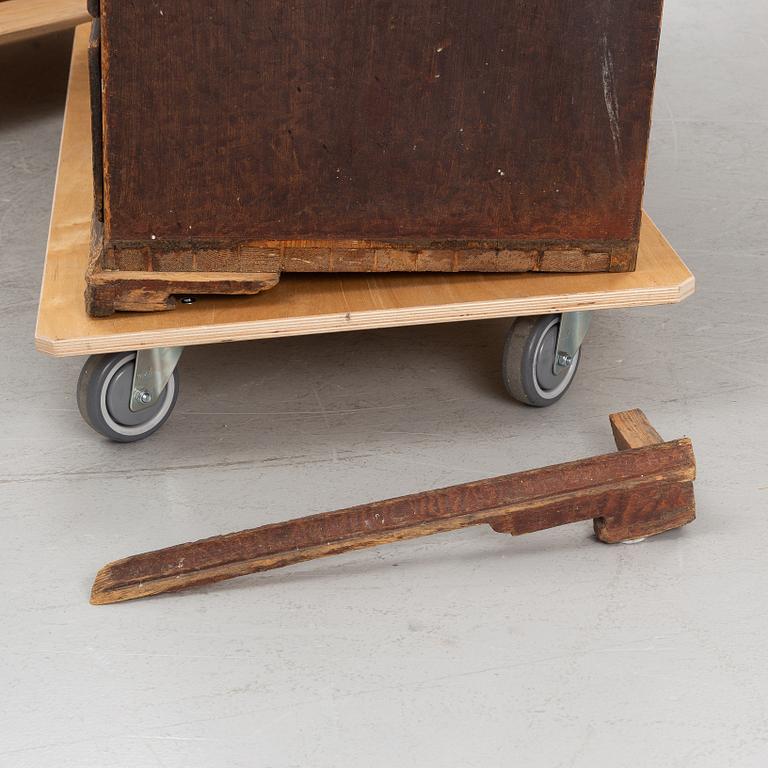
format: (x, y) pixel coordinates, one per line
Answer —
(151, 372)
(572, 332)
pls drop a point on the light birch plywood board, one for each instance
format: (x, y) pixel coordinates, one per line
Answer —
(304, 304)
(20, 19)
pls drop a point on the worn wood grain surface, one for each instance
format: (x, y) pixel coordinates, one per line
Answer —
(389, 119)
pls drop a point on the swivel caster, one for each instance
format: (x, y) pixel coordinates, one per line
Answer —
(541, 356)
(121, 405)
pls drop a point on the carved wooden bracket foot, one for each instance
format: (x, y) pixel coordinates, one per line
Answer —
(643, 489)
(108, 291)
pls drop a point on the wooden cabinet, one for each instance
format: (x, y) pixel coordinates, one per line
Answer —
(235, 140)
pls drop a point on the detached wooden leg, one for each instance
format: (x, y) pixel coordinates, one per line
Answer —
(641, 490)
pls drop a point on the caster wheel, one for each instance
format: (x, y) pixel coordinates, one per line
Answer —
(529, 358)
(104, 393)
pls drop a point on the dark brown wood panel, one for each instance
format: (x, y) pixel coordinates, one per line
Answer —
(376, 119)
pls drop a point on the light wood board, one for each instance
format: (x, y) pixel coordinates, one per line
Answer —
(304, 304)
(20, 19)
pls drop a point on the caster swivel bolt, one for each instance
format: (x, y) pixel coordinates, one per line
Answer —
(143, 397)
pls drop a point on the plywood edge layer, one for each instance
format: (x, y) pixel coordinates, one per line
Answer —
(365, 320)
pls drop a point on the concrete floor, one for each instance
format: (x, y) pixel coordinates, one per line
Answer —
(466, 649)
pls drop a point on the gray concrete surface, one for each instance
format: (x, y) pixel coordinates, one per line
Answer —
(467, 649)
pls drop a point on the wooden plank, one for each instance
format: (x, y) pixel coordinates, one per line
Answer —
(304, 304)
(630, 493)
(20, 19)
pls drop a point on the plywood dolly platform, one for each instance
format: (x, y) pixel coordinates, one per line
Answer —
(129, 384)
(21, 19)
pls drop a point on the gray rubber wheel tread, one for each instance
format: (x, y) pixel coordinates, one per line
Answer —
(519, 361)
(95, 375)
